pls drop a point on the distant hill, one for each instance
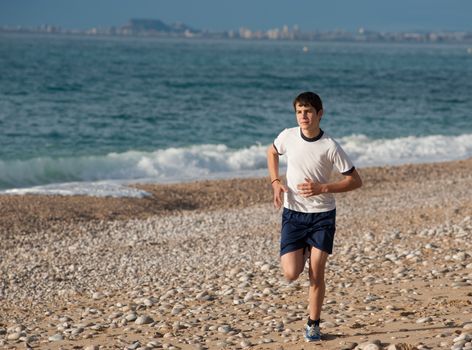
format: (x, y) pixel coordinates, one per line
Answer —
(147, 26)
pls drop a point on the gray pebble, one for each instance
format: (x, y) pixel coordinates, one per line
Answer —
(134, 346)
(348, 346)
(224, 329)
(131, 317)
(248, 297)
(56, 337)
(97, 295)
(77, 331)
(424, 320)
(327, 325)
(245, 343)
(143, 319)
(14, 336)
(368, 346)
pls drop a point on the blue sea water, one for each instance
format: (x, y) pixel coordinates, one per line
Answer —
(86, 114)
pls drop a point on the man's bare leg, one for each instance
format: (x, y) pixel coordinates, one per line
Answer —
(316, 293)
(292, 264)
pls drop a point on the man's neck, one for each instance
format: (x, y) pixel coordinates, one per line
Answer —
(308, 133)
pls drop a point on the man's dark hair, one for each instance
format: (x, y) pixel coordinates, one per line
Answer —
(308, 99)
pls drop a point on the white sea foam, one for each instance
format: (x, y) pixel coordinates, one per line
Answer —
(96, 189)
(411, 149)
(107, 175)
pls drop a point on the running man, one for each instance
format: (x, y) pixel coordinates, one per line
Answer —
(309, 214)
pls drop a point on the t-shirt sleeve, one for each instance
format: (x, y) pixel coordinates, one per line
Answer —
(280, 142)
(340, 159)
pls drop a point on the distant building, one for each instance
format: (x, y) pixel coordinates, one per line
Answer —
(245, 33)
(145, 25)
(158, 28)
(273, 34)
(155, 26)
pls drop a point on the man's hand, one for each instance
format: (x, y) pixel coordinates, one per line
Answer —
(278, 188)
(310, 188)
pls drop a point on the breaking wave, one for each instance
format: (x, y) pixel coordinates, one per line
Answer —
(104, 175)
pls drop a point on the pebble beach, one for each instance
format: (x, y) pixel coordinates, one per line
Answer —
(196, 266)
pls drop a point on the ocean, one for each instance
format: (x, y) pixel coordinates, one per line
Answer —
(87, 115)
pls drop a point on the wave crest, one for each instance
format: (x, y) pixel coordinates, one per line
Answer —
(210, 161)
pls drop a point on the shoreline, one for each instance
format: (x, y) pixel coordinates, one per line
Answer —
(197, 265)
(188, 196)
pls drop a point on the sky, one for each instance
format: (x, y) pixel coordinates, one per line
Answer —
(219, 15)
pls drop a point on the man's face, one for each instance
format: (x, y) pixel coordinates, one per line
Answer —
(307, 117)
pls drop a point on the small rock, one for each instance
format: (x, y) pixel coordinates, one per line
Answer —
(224, 329)
(279, 326)
(463, 337)
(176, 310)
(91, 347)
(116, 315)
(327, 325)
(424, 320)
(77, 331)
(56, 337)
(134, 346)
(144, 319)
(228, 291)
(265, 268)
(348, 346)
(368, 346)
(18, 328)
(460, 256)
(248, 297)
(98, 327)
(131, 317)
(65, 319)
(401, 346)
(245, 343)
(177, 325)
(14, 336)
(28, 339)
(148, 302)
(204, 296)
(97, 295)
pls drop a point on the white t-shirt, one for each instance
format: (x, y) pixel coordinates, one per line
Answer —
(313, 159)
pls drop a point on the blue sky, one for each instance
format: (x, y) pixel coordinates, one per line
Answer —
(398, 15)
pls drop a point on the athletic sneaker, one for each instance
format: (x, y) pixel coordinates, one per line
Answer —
(312, 333)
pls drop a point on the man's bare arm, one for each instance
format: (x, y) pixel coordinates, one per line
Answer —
(350, 182)
(273, 165)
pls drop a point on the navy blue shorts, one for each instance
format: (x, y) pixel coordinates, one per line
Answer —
(300, 230)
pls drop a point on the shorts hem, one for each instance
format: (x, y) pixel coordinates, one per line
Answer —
(329, 252)
(290, 250)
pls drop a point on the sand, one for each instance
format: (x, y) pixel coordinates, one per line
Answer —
(197, 265)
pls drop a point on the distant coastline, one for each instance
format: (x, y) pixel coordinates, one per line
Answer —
(160, 29)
